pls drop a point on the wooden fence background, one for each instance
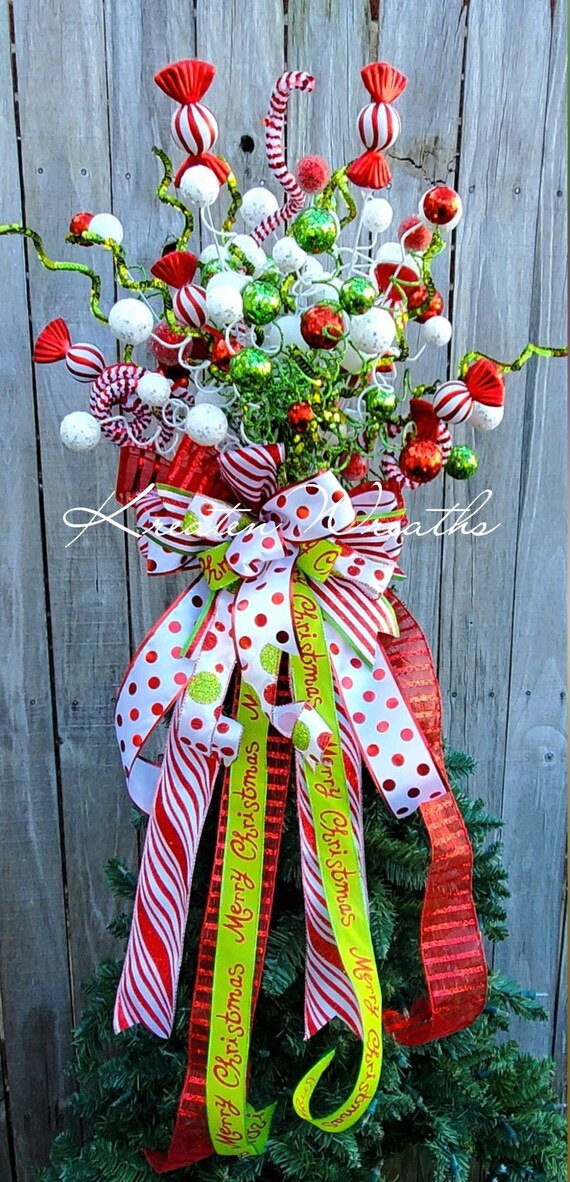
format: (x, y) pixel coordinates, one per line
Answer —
(78, 116)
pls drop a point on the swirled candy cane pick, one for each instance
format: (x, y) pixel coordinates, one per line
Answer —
(275, 151)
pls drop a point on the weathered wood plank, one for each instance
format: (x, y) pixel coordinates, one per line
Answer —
(500, 164)
(65, 156)
(426, 151)
(536, 720)
(34, 977)
(139, 118)
(560, 1012)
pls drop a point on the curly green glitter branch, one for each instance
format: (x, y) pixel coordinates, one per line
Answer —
(168, 199)
(54, 265)
(530, 350)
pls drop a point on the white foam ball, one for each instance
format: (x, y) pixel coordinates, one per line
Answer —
(80, 431)
(372, 332)
(200, 186)
(290, 326)
(325, 290)
(288, 255)
(377, 215)
(248, 247)
(153, 389)
(106, 225)
(235, 279)
(437, 331)
(131, 321)
(312, 269)
(351, 361)
(224, 304)
(206, 424)
(258, 204)
(211, 253)
(485, 418)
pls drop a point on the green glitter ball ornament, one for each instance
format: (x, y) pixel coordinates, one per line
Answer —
(382, 403)
(462, 463)
(271, 274)
(250, 369)
(261, 302)
(208, 270)
(315, 230)
(357, 295)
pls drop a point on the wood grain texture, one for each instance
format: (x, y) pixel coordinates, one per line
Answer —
(65, 157)
(425, 152)
(535, 796)
(34, 978)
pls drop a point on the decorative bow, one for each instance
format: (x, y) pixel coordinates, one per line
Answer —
(300, 575)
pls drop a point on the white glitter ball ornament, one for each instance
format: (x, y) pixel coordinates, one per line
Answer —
(288, 255)
(372, 332)
(224, 304)
(258, 204)
(153, 389)
(212, 253)
(377, 215)
(200, 186)
(437, 331)
(248, 247)
(106, 225)
(485, 418)
(311, 269)
(206, 424)
(80, 431)
(131, 321)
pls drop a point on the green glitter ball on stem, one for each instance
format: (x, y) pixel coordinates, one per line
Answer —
(462, 463)
(261, 302)
(357, 295)
(315, 230)
(209, 269)
(250, 369)
(381, 403)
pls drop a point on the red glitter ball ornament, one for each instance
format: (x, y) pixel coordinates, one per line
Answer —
(418, 297)
(164, 348)
(299, 416)
(222, 353)
(80, 222)
(406, 281)
(356, 469)
(441, 206)
(421, 460)
(322, 326)
(417, 236)
(313, 173)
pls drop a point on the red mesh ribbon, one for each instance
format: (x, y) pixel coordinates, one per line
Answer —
(451, 946)
(191, 1139)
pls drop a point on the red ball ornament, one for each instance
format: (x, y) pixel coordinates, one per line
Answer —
(421, 460)
(418, 297)
(313, 173)
(322, 327)
(417, 236)
(222, 353)
(441, 206)
(299, 416)
(165, 342)
(80, 222)
(394, 293)
(356, 469)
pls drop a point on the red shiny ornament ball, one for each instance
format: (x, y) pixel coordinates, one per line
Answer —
(322, 326)
(313, 173)
(164, 349)
(299, 416)
(393, 292)
(418, 237)
(80, 222)
(222, 353)
(418, 297)
(441, 205)
(421, 460)
(356, 469)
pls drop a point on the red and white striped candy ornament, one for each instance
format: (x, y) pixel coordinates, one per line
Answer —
(453, 402)
(177, 269)
(84, 361)
(194, 127)
(116, 388)
(486, 384)
(378, 125)
(275, 151)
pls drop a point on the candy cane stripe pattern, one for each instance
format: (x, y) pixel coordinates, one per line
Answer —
(275, 151)
(453, 403)
(190, 305)
(117, 387)
(378, 125)
(194, 128)
(84, 361)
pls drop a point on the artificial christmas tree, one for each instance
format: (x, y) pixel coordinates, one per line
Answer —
(265, 457)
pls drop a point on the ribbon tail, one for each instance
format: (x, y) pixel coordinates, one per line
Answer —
(451, 945)
(192, 1140)
(149, 980)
